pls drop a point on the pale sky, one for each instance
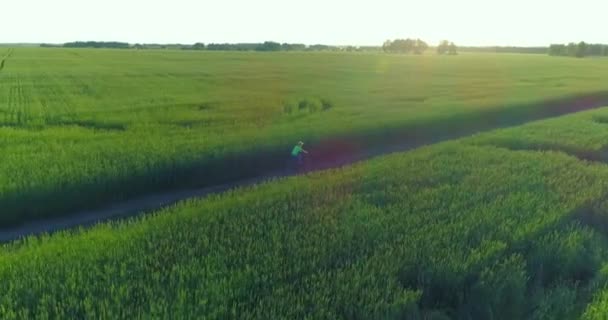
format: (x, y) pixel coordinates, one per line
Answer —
(338, 22)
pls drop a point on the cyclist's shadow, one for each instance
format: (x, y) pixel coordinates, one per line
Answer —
(298, 165)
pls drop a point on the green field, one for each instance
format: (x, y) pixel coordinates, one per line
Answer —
(81, 128)
(505, 224)
(510, 224)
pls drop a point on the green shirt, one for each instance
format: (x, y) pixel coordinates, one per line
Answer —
(296, 151)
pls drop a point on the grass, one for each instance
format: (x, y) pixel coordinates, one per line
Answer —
(80, 128)
(466, 229)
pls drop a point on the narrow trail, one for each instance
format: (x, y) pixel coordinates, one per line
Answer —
(3, 61)
(325, 154)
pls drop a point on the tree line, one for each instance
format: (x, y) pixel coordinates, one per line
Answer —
(264, 46)
(579, 50)
(272, 46)
(404, 46)
(417, 46)
(506, 49)
(95, 44)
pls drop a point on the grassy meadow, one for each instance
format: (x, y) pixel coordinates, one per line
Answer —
(509, 224)
(80, 128)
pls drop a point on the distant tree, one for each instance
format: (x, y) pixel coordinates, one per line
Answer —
(558, 50)
(405, 46)
(402, 46)
(350, 48)
(386, 46)
(232, 46)
(370, 48)
(553, 50)
(49, 45)
(581, 49)
(443, 47)
(216, 46)
(408, 45)
(572, 49)
(595, 50)
(321, 47)
(269, 46)
(452, 49)
(420, 46)
(293, 47)
(198, 46)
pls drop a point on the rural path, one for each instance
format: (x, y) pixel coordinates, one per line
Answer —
(330, 153)
(3, 61)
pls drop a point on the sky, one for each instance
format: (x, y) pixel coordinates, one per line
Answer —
(335, 22)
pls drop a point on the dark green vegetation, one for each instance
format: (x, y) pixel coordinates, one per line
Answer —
(81, 127)
(97, 44)
(497, 49)
(415, 46)
(510, 224)
(265, 46)
(579, 50)
(446, 47)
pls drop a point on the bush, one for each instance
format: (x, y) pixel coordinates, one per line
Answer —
(206, 106)
(288, 107)
(313, 104)
(326, 104)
